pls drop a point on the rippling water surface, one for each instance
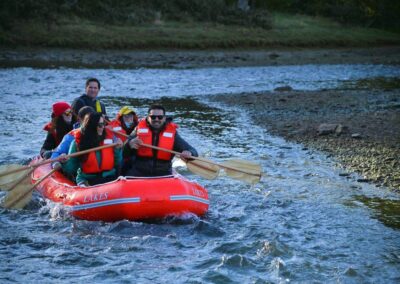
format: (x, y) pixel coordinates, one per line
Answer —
(302, 223)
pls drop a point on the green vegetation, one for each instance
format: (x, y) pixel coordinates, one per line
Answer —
(376, 83)
(183, 24)
(382, 14)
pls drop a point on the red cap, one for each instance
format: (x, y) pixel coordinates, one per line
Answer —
(60, 107)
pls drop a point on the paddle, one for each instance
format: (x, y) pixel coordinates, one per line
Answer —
(20, 192)
(8, 182)
(22, 177)
(5, 179)
(238, 169)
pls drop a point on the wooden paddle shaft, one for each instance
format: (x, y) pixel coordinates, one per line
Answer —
(192, 157)
(76, 154)
(200, 159)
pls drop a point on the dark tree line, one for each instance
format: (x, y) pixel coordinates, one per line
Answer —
(371, 13)
(132, 11)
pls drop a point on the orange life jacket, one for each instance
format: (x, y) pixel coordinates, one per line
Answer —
(116, 126)
(91, 165)
(53, 132)
(166, 140)
(74, 132)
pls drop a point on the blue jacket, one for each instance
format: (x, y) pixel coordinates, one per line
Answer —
(65, 143)
(63, 147)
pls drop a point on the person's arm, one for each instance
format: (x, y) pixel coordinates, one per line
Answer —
(127, 150)
(71, 166)
(63, 147)
(48, 146)
(181, 145)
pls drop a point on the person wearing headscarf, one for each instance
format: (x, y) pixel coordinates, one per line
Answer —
(125, 122)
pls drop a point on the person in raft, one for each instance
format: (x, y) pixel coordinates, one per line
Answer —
(155, 130)
(99, 166)
(125, 122)
(63, 147)
(60, 124)
(92, 90)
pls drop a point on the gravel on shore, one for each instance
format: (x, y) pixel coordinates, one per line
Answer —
(54, 58)
(360, 129)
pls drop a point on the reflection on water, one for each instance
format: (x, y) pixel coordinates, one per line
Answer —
(302, 223)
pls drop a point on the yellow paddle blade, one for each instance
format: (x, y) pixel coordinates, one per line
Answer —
(22, 193)
(19, 196)
(244, 165)
(13, 184)
(8, 181)
(243, 170)
(203, 169)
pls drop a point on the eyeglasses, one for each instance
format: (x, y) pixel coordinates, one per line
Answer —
(68, 113)
(101, 124)
(153, 117)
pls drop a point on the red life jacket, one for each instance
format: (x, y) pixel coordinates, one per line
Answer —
(74, 132)
(116, 126)
(91, 165)
(166, 140)
(53, 132)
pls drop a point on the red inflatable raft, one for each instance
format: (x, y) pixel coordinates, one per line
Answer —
(125, 198)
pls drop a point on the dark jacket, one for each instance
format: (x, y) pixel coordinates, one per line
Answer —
(53, 139)
(85, 100)
(48, 145)
(146, 167)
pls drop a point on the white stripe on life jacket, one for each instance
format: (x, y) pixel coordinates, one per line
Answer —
(143, 130)
(107, 141)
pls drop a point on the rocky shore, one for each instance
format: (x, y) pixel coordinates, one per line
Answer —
(360, 129)
(54, 58)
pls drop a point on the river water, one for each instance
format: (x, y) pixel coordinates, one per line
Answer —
(303, 223)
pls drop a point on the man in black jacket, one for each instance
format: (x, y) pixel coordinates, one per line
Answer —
(90, 98)
(157, 131)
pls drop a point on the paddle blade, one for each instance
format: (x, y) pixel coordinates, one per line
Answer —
(243, 170)
(203, 169)
(8, 181)
(19, 196)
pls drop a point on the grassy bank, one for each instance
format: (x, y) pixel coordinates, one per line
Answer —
(287, 31)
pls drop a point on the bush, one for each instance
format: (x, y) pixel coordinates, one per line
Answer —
(133, 12)
(370, 13)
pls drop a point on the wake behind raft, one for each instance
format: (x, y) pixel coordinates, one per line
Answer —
(127, 198)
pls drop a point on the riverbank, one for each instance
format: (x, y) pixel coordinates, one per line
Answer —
(358, 128)
(55, 57)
